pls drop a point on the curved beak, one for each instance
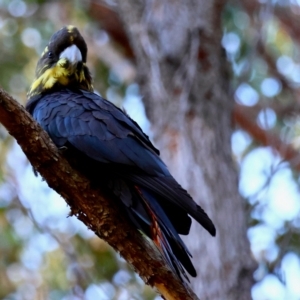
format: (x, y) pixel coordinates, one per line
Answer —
(72, 54)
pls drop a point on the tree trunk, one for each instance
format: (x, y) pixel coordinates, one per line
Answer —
(182, 74)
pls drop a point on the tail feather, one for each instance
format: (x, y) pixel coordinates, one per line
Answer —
(166, 237)
(160, 220)
(171, 191)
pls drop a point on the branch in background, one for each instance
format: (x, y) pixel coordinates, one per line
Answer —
(112, 24)
(96, 210)
(272, 64)
(288, 21)
(281, 110)
(289, 18)
(266, 138)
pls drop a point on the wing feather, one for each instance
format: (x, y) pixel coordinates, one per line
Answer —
(106, 134)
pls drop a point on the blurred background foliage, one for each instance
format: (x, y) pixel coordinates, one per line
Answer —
(45, 255)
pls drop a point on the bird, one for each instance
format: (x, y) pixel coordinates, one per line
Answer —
(111, 150)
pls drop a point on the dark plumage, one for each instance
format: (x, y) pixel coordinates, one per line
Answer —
(111, 149)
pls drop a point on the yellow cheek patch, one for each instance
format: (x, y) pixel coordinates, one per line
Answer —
(57, 74)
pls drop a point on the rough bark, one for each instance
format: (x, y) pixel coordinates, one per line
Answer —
(182, 73)
(96, 210)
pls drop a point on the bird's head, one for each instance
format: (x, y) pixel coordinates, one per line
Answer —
(62, 64)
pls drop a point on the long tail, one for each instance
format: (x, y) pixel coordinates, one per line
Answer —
(166, 237)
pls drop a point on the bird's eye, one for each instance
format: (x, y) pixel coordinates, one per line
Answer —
(50, 54)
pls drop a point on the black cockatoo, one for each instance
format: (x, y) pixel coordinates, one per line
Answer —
(105, 144)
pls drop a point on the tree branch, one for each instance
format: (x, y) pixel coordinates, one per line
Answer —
(286, 151)
(96, 210)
